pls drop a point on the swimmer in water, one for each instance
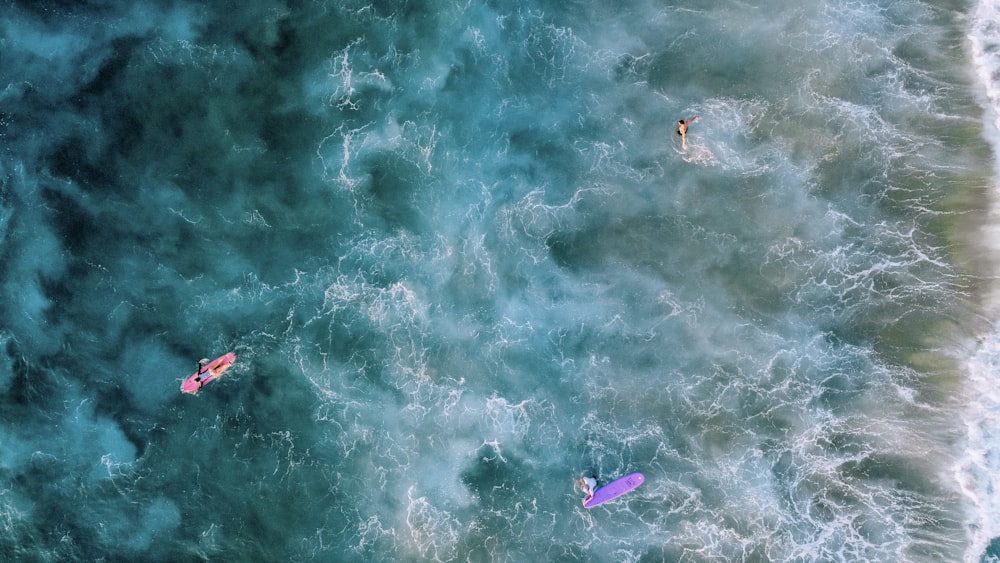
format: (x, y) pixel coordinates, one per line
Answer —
(587, 485)
(682, 129)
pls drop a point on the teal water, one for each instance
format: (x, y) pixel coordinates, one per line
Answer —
(463, 258)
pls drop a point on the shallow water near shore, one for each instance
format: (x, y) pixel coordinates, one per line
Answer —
(463, 258)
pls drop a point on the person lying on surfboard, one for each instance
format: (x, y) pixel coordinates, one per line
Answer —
(208, 371)
(587, 485)
(682, 129)
(201, 370)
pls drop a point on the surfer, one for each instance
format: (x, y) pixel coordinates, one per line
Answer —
(682, 129)
(587, 485)
(201, 370)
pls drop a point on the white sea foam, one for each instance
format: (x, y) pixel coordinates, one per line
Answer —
(984, 38)
(984, 42)
(977, 471)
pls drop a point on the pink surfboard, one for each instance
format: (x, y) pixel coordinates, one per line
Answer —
(615, 489)
(213, 371)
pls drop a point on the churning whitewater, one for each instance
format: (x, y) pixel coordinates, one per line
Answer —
(463, 258)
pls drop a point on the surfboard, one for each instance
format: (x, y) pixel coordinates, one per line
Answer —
(213, 371)
(615, 489)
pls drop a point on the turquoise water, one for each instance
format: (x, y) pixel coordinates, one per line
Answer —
(463, 258)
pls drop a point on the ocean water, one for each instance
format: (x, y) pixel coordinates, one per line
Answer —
(463, 259)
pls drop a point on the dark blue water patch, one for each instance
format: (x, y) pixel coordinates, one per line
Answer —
(32, 390)
(591, 248)
(60, 10)
(992, 553)
(121, 51)
(77, 228)
(393, 183)
(492, 479)
(212, 117)
(285, 43)
(551, 157)
(238, 431)
(502, 493)
(74, 160)
(58, 473)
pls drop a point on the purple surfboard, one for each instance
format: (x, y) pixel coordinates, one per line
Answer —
(615, 489)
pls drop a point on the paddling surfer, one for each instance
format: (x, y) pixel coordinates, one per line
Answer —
(201, 371)
(682, 129)
(587, 485)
